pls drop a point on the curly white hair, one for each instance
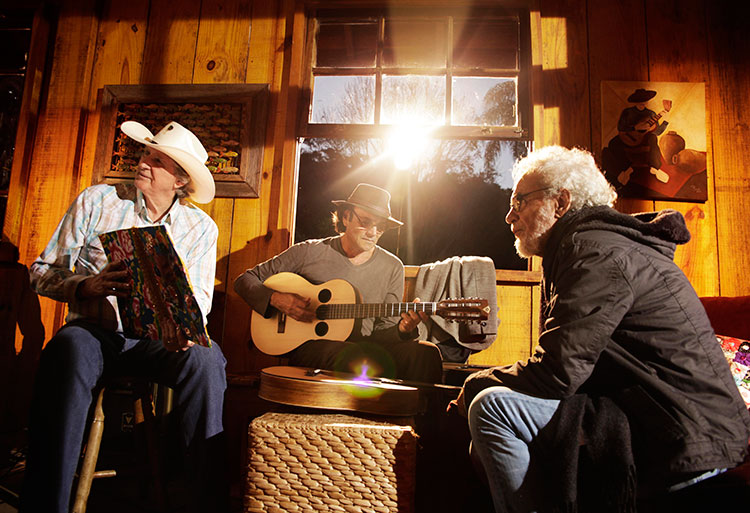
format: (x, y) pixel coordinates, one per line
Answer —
(573, 169)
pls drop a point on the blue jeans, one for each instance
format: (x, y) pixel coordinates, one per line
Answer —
(72, 365)
(502, 424)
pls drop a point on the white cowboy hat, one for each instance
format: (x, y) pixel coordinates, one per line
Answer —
(180, 144)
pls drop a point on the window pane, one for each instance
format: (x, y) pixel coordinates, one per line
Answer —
(343, 99)
(453, 200)
(346, 45)
(413, 99)
(484, 101)
(415, 43)
(486, 44)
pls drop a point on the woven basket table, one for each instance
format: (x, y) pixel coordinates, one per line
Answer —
(329, 462)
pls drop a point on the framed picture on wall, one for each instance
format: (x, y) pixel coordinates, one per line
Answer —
(654, 139)
(229, 119)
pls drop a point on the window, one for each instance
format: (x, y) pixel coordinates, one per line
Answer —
(430, 104)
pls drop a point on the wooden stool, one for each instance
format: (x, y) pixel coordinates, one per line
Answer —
(143, 396)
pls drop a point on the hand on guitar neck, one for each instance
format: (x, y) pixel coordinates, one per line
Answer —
(410, 319)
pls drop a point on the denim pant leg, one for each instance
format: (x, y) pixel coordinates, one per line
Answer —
(502, 424)
(197, 376)
(69, 369)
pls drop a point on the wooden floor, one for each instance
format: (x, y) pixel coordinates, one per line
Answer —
(124, 493)
(446, 482)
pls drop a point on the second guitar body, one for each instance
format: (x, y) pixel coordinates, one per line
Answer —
(335, 303)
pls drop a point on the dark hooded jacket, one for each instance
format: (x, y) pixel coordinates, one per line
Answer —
(621, 320)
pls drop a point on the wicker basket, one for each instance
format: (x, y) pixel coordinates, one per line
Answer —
(329, 462)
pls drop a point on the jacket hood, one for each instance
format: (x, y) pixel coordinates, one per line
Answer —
(661, 230)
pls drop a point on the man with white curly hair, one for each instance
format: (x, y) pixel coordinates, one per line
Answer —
(627, 375)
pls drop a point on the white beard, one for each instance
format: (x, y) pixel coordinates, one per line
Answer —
(533, 240)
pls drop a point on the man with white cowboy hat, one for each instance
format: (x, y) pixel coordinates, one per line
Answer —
(73, 269)
(388, 344)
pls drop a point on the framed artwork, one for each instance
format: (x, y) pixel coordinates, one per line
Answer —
(229, 119)
(654, 139)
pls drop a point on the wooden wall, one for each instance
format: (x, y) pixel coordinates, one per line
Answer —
(577, 44)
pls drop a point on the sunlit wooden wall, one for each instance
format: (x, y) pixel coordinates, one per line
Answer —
(663, 40)
(577, 44)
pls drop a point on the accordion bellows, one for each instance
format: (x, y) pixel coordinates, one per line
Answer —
(330, 462)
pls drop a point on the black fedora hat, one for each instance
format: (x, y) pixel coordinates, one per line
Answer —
(641, 96)
(375, 200)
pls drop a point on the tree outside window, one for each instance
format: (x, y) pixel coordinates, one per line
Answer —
(432, 108)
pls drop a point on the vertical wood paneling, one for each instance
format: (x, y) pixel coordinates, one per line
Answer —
(255, 236)
(292, 81)
(221, 211)
(221, 57)
(120, 43)
(680, 55)
(617, 51)
(223, 42)
(565, 73)
(170, 42)
(729, 83)
(537, 60)
(58, 146)
(118, 60)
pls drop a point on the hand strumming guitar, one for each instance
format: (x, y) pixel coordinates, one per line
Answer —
(293, 305)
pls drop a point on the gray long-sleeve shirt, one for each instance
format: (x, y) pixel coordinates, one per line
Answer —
(379, 280)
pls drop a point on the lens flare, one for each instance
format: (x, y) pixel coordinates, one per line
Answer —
(364, 387)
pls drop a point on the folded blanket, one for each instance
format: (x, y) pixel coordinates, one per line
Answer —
(459, 277)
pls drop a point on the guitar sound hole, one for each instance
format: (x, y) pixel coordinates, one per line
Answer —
(324, 296)
(321, 329)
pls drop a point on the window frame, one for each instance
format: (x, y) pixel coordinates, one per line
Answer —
(524, 130)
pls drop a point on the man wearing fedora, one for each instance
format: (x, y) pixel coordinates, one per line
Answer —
(635, 148)
(388, 344)
(73, 269)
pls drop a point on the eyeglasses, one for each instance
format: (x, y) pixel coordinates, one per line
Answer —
(518, 201)
(369, 223)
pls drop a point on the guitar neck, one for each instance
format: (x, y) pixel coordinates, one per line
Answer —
(653, 120)
(366, 310)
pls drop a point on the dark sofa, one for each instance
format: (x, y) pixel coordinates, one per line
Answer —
(729, 316)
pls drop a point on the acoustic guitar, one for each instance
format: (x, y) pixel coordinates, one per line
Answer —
(336, 308)
(646, 125)
(328, 390)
